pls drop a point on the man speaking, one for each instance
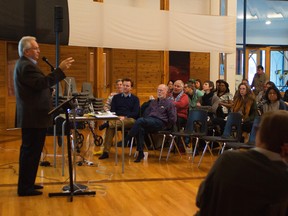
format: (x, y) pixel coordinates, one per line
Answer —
(33, 102)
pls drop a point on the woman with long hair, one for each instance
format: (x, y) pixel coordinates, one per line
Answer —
(245, 103)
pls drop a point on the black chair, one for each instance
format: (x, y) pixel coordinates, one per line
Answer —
(196, 127)
(232, 133)
(149, 137)
(251, 141)
(167, 134)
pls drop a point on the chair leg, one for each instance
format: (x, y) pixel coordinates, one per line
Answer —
(204, 151)
(162, 146)
(170, 148)
(131, 146)
(195, 149)
(223, 147)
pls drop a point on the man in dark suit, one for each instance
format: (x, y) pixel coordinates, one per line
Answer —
(33, 102)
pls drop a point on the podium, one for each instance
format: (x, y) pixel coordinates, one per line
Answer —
(68, 105)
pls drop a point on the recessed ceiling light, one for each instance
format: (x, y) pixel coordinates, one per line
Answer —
(268, 22)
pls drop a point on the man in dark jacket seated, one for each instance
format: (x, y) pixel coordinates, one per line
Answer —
(252, 182)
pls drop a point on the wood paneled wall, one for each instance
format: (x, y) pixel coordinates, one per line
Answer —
(200, 66)
(143, 67)
(146, 68)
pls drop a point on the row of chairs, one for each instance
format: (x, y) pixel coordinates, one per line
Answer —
(197, 127)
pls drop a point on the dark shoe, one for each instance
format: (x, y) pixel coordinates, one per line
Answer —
(103, 126)
(104, 156)
(30, 193)
(139, 157)
(38, 187)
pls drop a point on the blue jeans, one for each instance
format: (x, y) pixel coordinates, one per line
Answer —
(145, 125)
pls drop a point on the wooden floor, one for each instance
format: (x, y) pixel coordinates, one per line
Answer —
(147, 188)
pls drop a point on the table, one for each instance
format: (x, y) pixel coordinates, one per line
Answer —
(108, 117)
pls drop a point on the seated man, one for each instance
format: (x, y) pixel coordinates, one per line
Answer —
(159, 115)
(250, 182)
(126, 106)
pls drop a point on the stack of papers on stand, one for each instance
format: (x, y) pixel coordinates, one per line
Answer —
(104, 115)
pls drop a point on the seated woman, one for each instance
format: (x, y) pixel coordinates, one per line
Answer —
(170, 85)
(273, 100)
(181, 102)
(225, 97)
(193, 93)
(225, 104)
(245, 103)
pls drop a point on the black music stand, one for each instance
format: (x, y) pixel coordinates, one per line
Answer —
(68, 104)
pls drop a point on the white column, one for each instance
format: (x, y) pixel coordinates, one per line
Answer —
(231, 58)
(214, 56)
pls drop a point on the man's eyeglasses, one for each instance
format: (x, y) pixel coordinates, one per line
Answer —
(35, 48)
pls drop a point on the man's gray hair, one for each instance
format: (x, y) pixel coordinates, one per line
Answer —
(24, 44)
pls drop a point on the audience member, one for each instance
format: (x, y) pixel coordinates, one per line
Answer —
(198, 84)
(258, 80)
(245, 81)
(193, 94)
(224, 106)
(181, 102)
(170, 85)
(209, 101)
(217, 83)
(119, 89)
(159, 115)
(273, 100)
(260, 97)
(126, 106)
(225, 99)
(245, 104)
(252, 182)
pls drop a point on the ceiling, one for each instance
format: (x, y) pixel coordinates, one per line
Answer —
(263, 9)
(257, 14)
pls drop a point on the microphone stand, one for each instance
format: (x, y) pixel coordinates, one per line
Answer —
(67, 105)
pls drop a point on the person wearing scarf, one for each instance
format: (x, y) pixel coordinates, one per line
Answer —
(181, 102)
(245, 103)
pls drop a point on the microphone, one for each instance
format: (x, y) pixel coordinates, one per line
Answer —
(47, 62)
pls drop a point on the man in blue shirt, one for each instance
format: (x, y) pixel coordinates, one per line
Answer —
(159, 115)
(126, 106)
